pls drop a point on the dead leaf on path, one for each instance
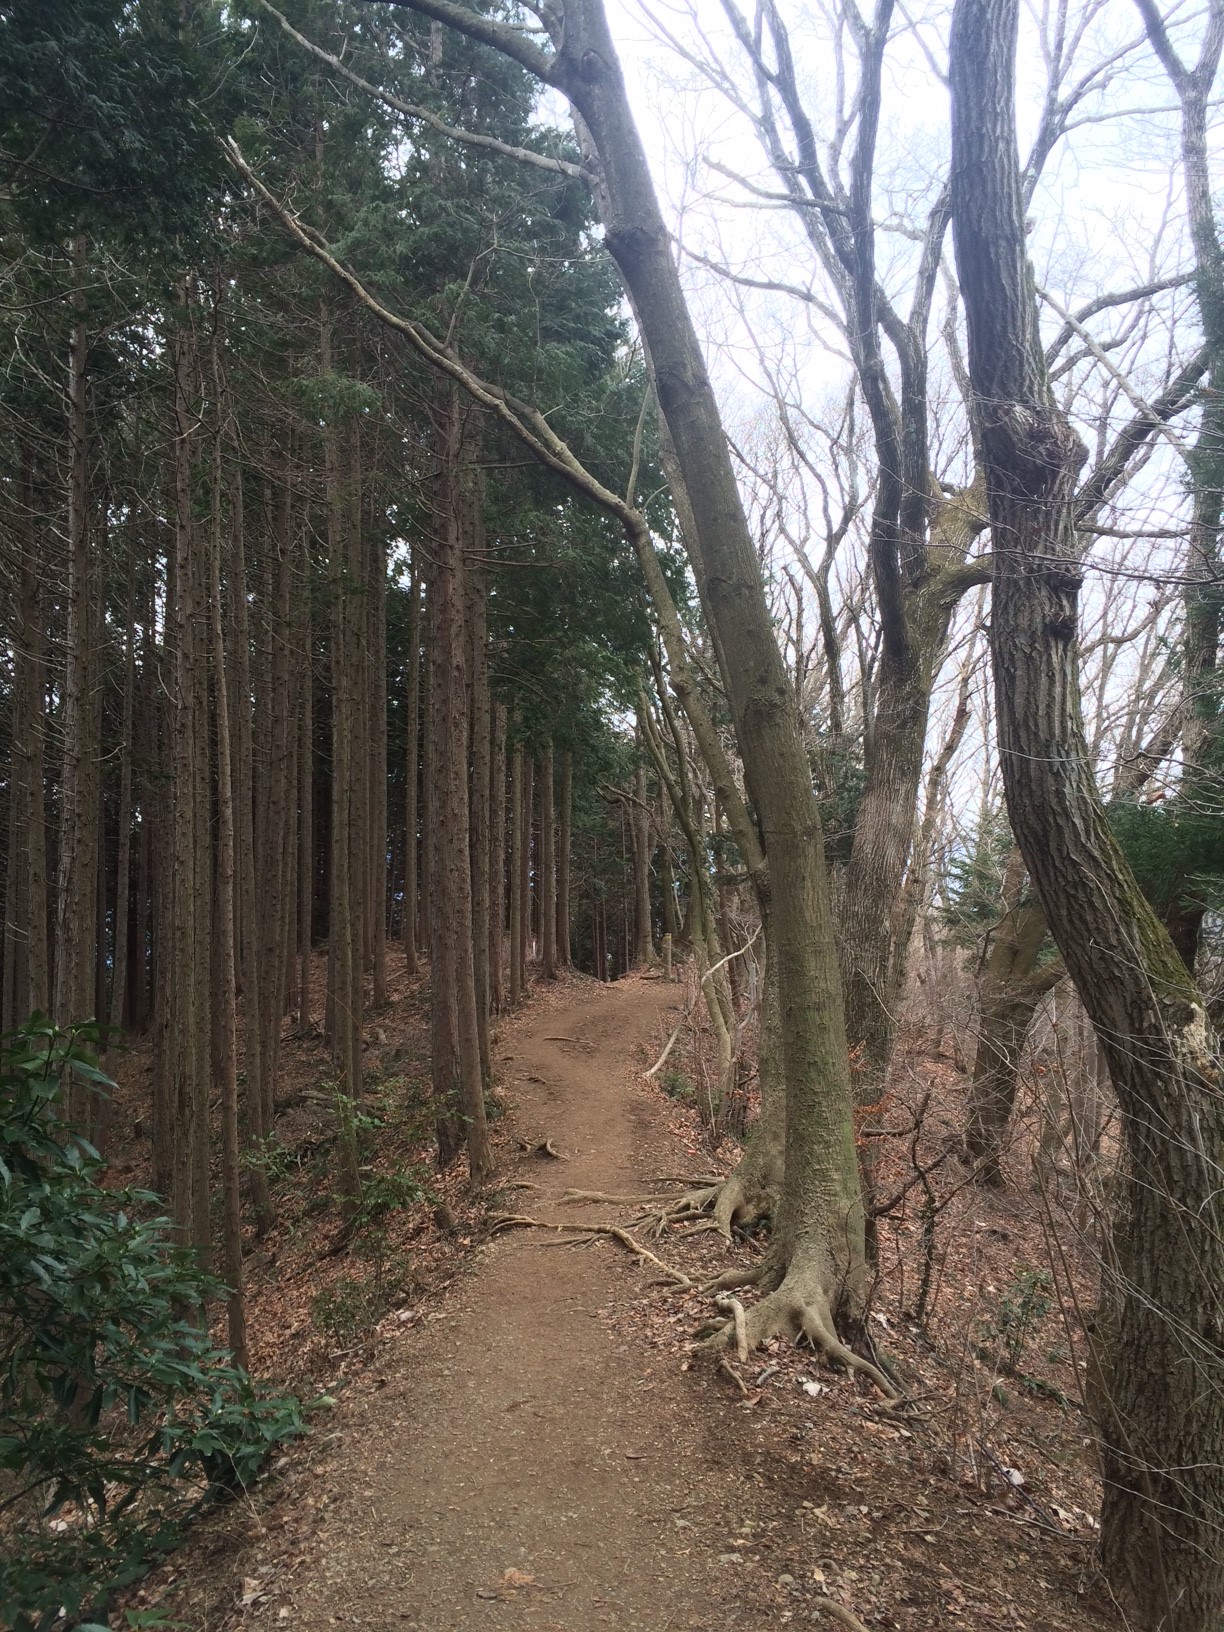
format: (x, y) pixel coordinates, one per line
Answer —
(518, 1578)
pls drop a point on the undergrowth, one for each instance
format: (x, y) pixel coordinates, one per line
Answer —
(119, 1417)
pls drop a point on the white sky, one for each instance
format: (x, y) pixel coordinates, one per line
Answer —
(1107, 216)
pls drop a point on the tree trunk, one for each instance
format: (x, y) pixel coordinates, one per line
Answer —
(306, 850)
(548, 865)
(412, 770)
(524, 873)
(76, 889)
(497, 861)
(377, 773)
(458, 1085)
(1010, 986)
(565, 843)
(227, 967)
(255, 1126)
(819, 1262)
(1160, 1419)
(481, 722)
(517, 873)
(639, 829)
(344, 944)
(123, 865)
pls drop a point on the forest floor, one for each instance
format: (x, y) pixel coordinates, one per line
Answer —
(534, 1443)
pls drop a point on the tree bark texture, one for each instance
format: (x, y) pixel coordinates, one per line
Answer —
(1162, 1375)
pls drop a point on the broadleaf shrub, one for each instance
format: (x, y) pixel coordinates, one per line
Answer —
(119, 1417)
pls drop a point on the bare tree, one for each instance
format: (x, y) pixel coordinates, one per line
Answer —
(1161, 1410)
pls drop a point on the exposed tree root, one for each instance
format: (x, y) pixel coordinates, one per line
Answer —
(578, 1234)
(732, 1279)
(839, 1612)
(583, 1197)
(739, 1321)
(735, 1202)
(799, 1307)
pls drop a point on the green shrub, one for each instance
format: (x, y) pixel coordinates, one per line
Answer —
(118, 1415)
(1023, 1306)
(677, 1086)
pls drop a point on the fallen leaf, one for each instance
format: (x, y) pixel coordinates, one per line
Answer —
(518, 1578)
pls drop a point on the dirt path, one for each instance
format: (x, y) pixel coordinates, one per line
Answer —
(522, 1466)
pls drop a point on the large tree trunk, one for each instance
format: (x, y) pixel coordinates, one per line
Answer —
(76, 891)
(565, 840)
(818, 1265)
(481, 721)
(255, 1126)
(497, 861)
(639, 832)
(227, 963)
(458, 1085)
(1160, 1415)
(517, 873)
(1010, 986)
(412, 770)
(548, 866)
(376, 783)
(25, 953)
(344, 922)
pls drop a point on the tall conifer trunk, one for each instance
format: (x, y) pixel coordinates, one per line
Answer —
(76, 888)
(517, 871)
(497, 861)
(565, 840)
(458, 1084)
(412, 771)
(480, 721)
(548, 865)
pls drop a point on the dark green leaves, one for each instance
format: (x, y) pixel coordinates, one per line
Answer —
(112, 1396)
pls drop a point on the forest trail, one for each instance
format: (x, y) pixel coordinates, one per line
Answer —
(524, 1466)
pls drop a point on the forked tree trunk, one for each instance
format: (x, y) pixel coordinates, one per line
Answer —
(1161, 1404)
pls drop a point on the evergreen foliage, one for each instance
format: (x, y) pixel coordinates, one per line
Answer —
(118, 1414)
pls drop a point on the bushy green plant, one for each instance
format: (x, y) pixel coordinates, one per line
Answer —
(118, 1415)
(677, 1086)
(1024, 1304)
